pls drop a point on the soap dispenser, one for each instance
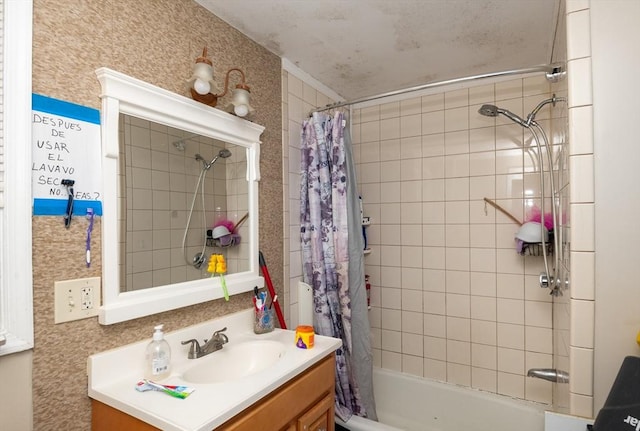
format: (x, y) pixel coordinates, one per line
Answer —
(158, 356)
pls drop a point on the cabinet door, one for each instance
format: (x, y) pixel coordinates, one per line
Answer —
(319, 417)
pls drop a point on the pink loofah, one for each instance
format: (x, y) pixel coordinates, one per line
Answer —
(536, 215)
(226, 223)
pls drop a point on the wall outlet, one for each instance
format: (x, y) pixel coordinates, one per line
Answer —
(76, 299)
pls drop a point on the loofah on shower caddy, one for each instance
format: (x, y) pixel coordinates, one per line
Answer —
(535, 215)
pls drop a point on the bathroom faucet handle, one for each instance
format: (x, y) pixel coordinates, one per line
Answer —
(218, 335)
(194, 351)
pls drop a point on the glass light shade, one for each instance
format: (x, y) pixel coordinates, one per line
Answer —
(203, 71)
(203, 74)
(201, 87)
(240, 102)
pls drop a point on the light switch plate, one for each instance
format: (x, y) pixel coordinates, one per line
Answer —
(76, 299)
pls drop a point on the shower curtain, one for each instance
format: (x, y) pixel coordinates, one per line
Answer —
(332, 257)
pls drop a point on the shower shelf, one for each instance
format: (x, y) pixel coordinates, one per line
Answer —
(234, 239)
(535, 248)
(366, 221)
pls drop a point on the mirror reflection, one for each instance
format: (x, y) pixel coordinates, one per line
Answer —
(182, 198)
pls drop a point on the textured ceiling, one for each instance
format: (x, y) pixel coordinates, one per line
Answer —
(361, 48)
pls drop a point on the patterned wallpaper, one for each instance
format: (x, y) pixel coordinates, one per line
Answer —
(156, 41)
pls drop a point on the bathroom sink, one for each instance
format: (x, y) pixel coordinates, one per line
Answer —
(235, 361)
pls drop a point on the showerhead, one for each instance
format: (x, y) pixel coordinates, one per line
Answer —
(488, 110)
(494, 111)
(224, 153)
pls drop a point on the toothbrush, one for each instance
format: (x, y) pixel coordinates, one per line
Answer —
(89, 230)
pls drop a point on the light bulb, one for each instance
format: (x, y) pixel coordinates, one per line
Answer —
(201, 87)
(241, 110)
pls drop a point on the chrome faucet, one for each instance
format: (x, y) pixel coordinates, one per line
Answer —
(218, 339)
(549, 374)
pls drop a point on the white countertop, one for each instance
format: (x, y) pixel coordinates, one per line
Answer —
(113, 375)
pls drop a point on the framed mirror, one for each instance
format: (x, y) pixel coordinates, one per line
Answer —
(180, 183)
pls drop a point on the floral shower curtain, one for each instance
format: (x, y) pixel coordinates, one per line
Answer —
(325, 245)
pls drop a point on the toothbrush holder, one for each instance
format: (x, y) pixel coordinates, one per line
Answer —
(263, 321)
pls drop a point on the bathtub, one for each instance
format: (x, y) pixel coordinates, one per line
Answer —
(409, 403)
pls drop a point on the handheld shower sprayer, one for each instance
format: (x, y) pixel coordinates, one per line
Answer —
(224, 153)
(200, 257)
(494, 111)
(549, 278)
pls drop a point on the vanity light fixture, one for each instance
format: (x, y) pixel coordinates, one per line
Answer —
(201, 85)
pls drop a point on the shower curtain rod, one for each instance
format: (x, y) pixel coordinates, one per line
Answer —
(554, 72)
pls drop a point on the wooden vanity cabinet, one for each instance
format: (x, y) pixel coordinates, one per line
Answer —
(306, 403)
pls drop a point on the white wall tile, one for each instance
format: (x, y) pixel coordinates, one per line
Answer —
(443, 260)
(581, 405)
(435, 325)
(484, 332)
(576, 5)
(583, 275)
(582, 232)
(458, 329)
(510, 311)
(579, 31)
(583, 181)
(582, 323)
(581, 130)
(411, 147)
(510, 360)
(508, 89)
(410, 125)
(411, 106)
(456, 98)
(433, 102)
(511, 385)
(413, 365)
(458, 305)
(389, 128)
(413, 322)
(457, 142)
(538, 340)
(483, 308)
(511, 336)
(435, 348)
(580, 91)
(456, 119)
(433, 122)
(581, 381)
(389, 110)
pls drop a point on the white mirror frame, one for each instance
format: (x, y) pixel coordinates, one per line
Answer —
(122, 94)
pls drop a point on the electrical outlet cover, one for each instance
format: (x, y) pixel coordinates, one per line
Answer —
(76, 299)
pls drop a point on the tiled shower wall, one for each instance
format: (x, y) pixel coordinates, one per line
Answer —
(451, 298)
(583, 243)
(158, 193)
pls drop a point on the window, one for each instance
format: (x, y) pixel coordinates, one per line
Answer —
(16, 296)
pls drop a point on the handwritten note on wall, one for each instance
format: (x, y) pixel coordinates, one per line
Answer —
(66, 146)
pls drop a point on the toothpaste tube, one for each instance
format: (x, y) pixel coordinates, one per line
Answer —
(174, 391)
